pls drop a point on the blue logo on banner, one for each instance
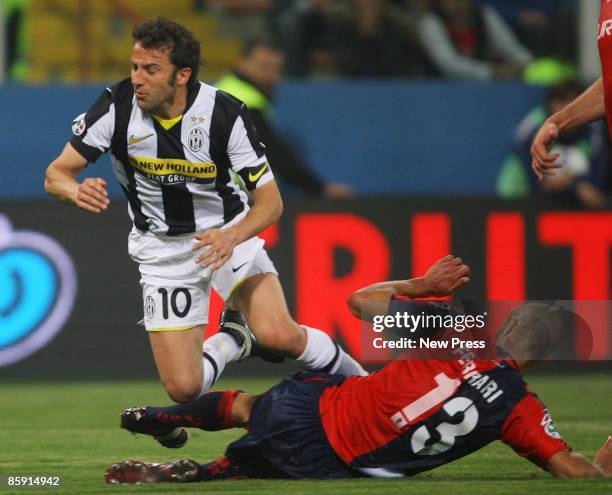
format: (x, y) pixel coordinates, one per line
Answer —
(37, 291)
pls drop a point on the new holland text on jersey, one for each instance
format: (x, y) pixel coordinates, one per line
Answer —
(174, 170)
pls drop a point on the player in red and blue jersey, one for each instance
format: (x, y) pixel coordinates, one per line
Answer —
(409, 417)
(593, 104)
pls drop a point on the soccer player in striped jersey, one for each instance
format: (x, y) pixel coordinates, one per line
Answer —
(409, 417)
(176, 144)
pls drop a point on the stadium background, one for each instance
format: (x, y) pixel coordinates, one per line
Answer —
(422, 155)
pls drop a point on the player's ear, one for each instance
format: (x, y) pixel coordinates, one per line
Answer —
(183, 75)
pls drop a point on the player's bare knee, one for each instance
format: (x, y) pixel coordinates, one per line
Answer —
(182, 391)
(183, 395)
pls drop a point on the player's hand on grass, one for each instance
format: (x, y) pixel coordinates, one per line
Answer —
(603, 458)
(91, 195)
(220, 243)
(447, 275)
(543, 161)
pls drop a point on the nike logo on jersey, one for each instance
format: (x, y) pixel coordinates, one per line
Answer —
(255, 177)
(238, 268)
(134, 140)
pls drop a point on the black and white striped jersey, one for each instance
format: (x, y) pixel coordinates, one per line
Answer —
(176, 174)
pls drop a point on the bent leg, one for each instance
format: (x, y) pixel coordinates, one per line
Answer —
(262, 302)
(211, 412)
(187, 367)
(249, 283)
(178, 357)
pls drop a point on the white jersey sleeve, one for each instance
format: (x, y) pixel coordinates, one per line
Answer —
(247, 153)
(93, 131)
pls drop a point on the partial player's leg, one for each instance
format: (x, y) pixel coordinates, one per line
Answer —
(211, 412)
(178, 357)
(179, 364)
(260, 299)
(176, 297)
(285, 437)
(262, 302)
(132, 472)
(176, 312)
(183, 471)
(249, 282)
(186, 367)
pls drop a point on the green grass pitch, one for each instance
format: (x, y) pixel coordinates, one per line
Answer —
(71, 429)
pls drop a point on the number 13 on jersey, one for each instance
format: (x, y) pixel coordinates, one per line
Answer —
(445, 431)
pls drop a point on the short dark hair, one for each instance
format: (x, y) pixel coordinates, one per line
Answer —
(162, 33)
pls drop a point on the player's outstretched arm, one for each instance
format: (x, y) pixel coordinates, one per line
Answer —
(61, 182)
(566, 464)
(443, 278)
(589, 106)
(267, 209)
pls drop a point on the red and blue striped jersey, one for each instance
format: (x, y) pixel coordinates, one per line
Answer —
(415, 415)
(604, 41)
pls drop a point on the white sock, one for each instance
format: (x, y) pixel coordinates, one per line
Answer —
(323, 354)
(218, 350)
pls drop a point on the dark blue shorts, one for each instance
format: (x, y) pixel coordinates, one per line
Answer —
(286, 438)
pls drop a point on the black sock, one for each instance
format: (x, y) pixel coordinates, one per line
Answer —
(211, 412)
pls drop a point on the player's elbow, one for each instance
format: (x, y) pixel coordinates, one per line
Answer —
(53, 180)
(268, 201)
(47, 185)
(49, 178)
(277, 208)
(60, 182)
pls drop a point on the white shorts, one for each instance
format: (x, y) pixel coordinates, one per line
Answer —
(176, 290)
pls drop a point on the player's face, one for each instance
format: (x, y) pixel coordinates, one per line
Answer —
(154, 78)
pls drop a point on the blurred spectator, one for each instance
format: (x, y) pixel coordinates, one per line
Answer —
(585, 154)
(350, 38)
(382, 42)
(468, 41)
(547, 27)
(254, 82)
(312, 31)
(244, 19)
(16, 44)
